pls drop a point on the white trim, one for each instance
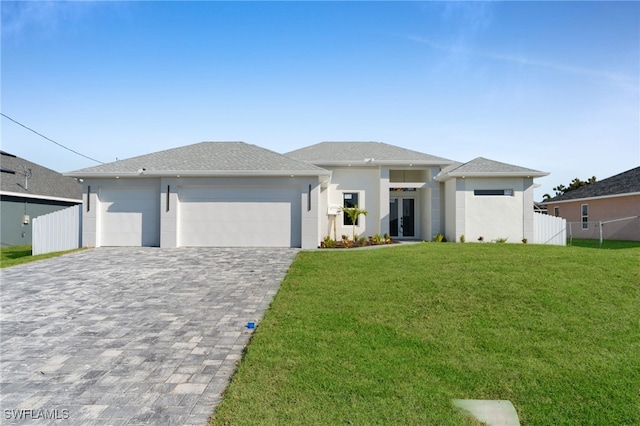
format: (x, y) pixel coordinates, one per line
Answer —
(584, 223)
(41, 197)
(601, 197)
(360, 221)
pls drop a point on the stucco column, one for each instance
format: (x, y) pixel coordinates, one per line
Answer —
(169, 212)
(90, 207)
(527, 209)
(384, 201)
(310, 214)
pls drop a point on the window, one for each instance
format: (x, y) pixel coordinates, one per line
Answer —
(556, 211)
(584, 210)
(482, 192)
(349, 199)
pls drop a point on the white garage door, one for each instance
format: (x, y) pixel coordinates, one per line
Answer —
(245, 217)
(129, 217)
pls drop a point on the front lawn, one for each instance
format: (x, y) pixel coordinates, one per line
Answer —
(606, 244)
(16, 255)
(390, 336)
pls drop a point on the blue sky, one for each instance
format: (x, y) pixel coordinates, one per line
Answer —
(545, 85)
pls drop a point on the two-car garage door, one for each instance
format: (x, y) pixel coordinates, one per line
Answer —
(239, 216)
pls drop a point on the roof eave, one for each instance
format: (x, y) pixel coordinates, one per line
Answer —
(532, 174)
(596, 197)
(198, 173)
(41, 197)
(377, 163)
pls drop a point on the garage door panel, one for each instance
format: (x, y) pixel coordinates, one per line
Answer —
(266, 216)
(129, 217)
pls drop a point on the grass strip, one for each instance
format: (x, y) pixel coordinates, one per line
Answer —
(17, 255)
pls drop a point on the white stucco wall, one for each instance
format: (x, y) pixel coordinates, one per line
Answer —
(450, 210)
(365, 181)
(435, 207)
(494, 216)
(527, 206)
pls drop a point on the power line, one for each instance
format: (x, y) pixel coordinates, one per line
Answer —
(50, 140)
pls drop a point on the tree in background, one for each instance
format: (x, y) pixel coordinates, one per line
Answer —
(575, 184)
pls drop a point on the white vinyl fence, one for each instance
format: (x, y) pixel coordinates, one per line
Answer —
(549, 230)
(57, 231)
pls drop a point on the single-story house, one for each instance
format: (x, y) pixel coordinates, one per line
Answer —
(28, 190)
(237, 194)
(615, 201)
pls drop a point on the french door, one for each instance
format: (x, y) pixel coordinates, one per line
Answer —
(402, 217)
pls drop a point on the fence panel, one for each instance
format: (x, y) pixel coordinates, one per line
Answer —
(549, 230)
(57, 231)
(621, 228)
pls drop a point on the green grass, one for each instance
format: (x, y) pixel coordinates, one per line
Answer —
(390, 336)
(16, 255)
(606, 244)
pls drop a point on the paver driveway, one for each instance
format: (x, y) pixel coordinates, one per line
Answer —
(130, 336)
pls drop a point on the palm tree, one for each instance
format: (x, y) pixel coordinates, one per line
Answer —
(354, 213)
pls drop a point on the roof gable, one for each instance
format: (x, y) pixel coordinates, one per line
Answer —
(483, 167)
(332, 153)
(624, 183)
(205, 158)
(43, 182)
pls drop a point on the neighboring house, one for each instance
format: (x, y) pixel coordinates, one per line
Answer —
(617, 197)
(29, 190)
(539, 208)
(237, 194)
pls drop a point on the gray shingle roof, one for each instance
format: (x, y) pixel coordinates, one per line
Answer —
(480, 166)
(205, 158)
(325, 153)
(624, 183)
(43, 182)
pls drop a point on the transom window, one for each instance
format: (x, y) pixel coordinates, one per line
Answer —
(482, 192)
(349, 199)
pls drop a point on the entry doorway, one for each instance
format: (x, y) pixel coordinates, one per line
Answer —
(402, 222)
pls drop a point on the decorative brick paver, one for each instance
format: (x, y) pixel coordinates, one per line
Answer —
(129, 336)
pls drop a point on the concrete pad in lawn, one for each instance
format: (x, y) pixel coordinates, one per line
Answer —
(491, 412)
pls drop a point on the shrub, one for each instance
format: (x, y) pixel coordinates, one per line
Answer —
(462, 239)
(481, 238)
(328, 242)
(439, 238)
(501, 240)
